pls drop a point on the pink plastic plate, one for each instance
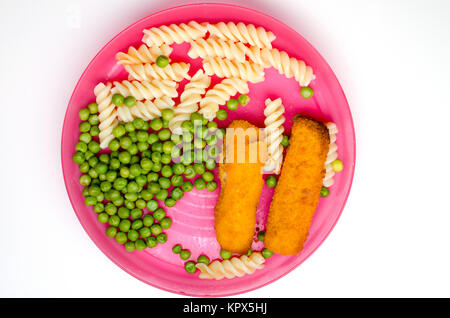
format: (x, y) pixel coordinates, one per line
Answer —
(193, 216)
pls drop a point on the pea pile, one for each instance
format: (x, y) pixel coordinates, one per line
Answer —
(146, 166)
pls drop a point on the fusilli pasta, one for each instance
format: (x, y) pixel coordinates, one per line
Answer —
(189, 100)
(280, 60)
(146, 110)
(146, 89)
(213, 47)
(274, 134)
(174, 33)
(234, 267)
(331, 156)
(107, 113)
(145, 72)
(143, 54)
(219, 94)
(240, 32)
(247, 71)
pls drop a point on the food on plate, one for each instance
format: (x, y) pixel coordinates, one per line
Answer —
(273, 132)
(234, 267)
(298, 189)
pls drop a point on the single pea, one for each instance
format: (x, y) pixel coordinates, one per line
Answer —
(203, 259)
(168, 146)
(210, 164)
(185, 254)
(114, 164)
(148, 220)
(117, 99)
(188, 136)
(232, 104)
(140, 245)
(161, 238)
(187, 186)
(129, 101)
(85, 180)
(170, 202)
(243, 99)
(133, 149)
(152, 242)
(111, 231)
(93, 120)
(306, 92)
(164, 134)
(103, 217)
(118, 202)
(140, 204)
(152, 177)
(114, 220)
(137, 224)
(84, 127)
(166, 158)
(166, 172)
(212, 126)
(261, 236)
(178, 168)
(152, 138)
(94, 146)
(156, 124)
(196, 118)
(285, 141)
(130, 204)
(189, 172)
(121, 238)
(141, 180)
(131, 196)
(266, 253)
(222, 114)
(93, 108)
(154, 187)
(187, 126)
(136, 213)
(159, 214)
(90, 201)
(190, 267)
(152, 205)
(324, 192)
(145, 232)
(135, 170)
(124, 225)
(337, 165)
(199, 184)
(78, 157)
(124, 172)
(271, 181)
(146, 126)
(199, 168)
(156, 229)
(166, 223)
(94, 131)
(138, 123)
(141, 135)
(92, 173)
(146, 154)
(133, 235)
(176, 139)
(225, 254)
(162, 61)
(129, 246)
(85, 137)
(93, 161)
(119, 131)
(164, 182)
(176, 180)
(176, 249)
(84, 114)
(101, 168)
(177, 193)
(110, 208)
(208, 176)
(84, 167)
(167, 114)
(211, 186)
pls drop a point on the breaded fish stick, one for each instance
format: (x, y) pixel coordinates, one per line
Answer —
(241, 186)
(298, 190)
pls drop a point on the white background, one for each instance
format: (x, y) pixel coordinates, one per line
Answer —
(392, 58)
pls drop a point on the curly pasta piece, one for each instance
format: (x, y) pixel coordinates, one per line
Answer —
(143, 54)
(145, 72)
(219, 94)
(213, 47)
(146, 89)
(331, 156)
(274, 134)
(234, 267)
(146, 110)
(174, 33)
(189, 100)
(280, 60)
(247, 71)
(240, 32)
(107, 113)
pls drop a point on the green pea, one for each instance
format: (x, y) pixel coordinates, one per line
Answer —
(159, 214)
(138, 123)
(130, 204)
(271, 181)
(164, 134)
(111, 231)
(210, 164)
(176, 139)
(266, 253)
(199, 168)
(140, 244)
(140, 204)
(90, 200)
(211, 186)
(131, 196)
(176, 249)
(148, 220)
(84, 127)
(162, 61)
(168, 146)
(93, 120)
(137, 224)
(203, 259)
(167, 114)
(141, 180)
(85, 137)
(154, 187)
(156, 124)
(117, 99)
(225, 254)
(135, 170)
(101, 168)
(81, 146)
(176, 180)
(196, 117)
(93, 108)
(94, 131)
(211, 140)
(136, 213)
(190, 267)
(129, 246)
(178, 168)
(142, 146)
(170, 202)
(189, 172)
(85, 180)
(84, 114)
(78, 157)
(261, 236)
(156, 157)
(152, 205)
(187, 126)
(208, 176)
(152, 242)
(285, 141)
(156, 229)
(125, 142)
(166, 158)
(185, 254)
(133, 149)
(212, 126)
(164, 182)
(199, 184)
(114, 164)
(145, 232)
(84, 167)
(222, 114)
(121, 238)
(129, 101)
(114, 145)
(232, 104)
(187, 136)
(118, 202)
(243, 99)
(166, 223)
(110, 209)
(146, 154)
(324, 192)
(187, 186)
(114, 220)
(125, 225)
(152, 138)
(337, 165)
(162, 238)
(306, 92)
(103, 217)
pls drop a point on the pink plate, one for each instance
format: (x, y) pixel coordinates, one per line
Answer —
(193, 216)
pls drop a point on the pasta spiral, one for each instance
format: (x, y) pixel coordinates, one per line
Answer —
(143, 54)
(234, 267)
(247, 71)
(274, 134)
(107, 113)
(174, 33)
(219, 94)
(213, 47)
(146, 89)
(331, 156)
(280, 60)
(240, 32)
(189, 100)
(145, 72)
(146, 110)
